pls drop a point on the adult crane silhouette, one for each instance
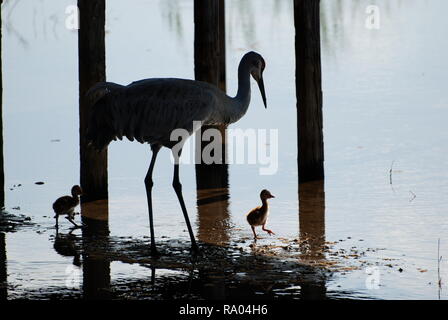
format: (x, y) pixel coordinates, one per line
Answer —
(149, 110)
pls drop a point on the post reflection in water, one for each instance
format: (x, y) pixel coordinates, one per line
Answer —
(3, 271)
(96, 271)
(312, 231)
(213, 215)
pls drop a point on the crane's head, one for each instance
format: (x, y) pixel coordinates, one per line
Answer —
(256, 68)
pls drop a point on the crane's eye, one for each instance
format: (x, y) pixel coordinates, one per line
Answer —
(255, 63)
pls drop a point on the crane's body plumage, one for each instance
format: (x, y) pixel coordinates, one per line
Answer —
(150, 110)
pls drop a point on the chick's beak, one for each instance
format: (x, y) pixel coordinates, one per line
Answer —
(261, 86)
(272, 196)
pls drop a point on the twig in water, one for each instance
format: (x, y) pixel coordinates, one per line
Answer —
(413, 196)
(390, 172)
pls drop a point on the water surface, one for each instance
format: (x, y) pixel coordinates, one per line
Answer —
(385, 108)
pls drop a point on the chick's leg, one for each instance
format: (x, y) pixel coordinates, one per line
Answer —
(267, 230)
(253, 230)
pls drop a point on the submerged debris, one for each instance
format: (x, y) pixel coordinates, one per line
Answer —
(12, 222)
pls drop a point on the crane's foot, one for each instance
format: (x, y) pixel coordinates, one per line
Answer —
(194, 248)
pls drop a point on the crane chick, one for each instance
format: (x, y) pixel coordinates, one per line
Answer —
(259, 215)
(65, 205)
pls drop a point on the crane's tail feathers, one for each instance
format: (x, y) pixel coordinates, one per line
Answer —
(101, 129)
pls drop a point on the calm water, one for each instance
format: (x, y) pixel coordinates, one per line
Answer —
(385, 101)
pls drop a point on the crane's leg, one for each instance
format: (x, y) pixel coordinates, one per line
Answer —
(148, 184)
(178, 188)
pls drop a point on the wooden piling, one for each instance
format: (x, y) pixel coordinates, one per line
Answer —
(309, 90)
(2, 169)
(92, 69)
(222, 46)
(209, 59)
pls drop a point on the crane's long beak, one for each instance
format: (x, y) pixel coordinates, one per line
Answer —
(261, 86)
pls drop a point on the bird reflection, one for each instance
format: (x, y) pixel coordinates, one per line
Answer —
(65, 245)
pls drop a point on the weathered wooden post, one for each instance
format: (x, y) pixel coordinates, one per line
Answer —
(209, 57)
(222, 46)
(212, 180)
(2, 169)
(92, 69)
(309, 90)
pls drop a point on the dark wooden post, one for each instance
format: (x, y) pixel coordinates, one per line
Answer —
(222, 46)
(309, 90)
(92, 69)
(2, 169)
(209, 57)
(3, 263)
(206, 41)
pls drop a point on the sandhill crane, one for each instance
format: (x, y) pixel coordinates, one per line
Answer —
(259, 215)
(149, 110)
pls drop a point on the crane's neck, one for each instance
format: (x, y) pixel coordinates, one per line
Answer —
(241, 101)
(228, 109)
(243, 94)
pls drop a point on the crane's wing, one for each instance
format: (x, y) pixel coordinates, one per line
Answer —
(148, 110)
